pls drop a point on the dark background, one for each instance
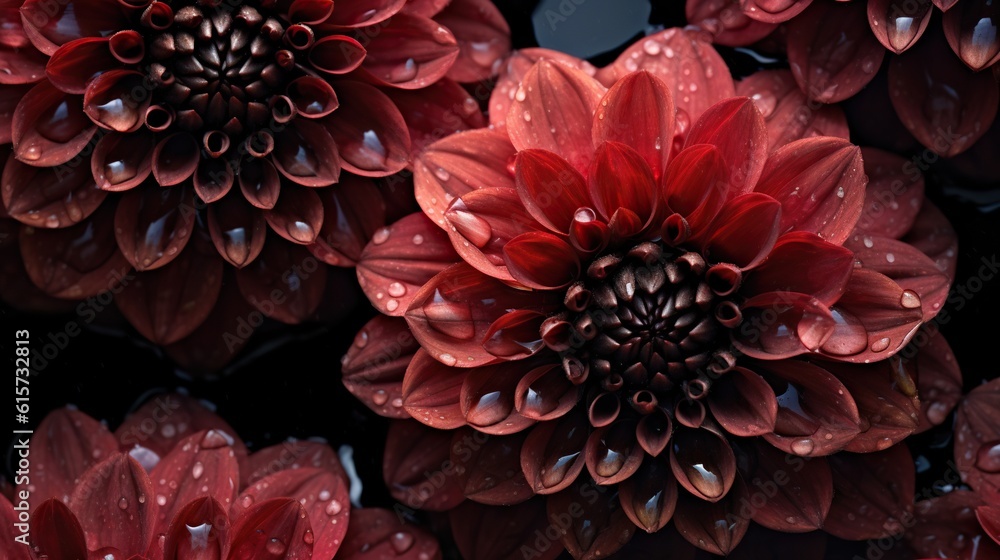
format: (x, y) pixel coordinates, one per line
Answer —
(293, 389)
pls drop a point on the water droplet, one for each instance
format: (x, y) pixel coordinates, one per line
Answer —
(401, 541)
(333, 508)
(988, 457)
(889, 257)
(520, 94)
(527, 116)
(937, 412)
(392, 305)
(651, 47)
(880, 345)
(403, 73)
(276, 547)
(380, 397)
(442, 174)
(396, 289)
(381, 236)
(197, 470)
(802, 446)
(909, 299)
(418, 239)
(301, 231)
(122, 503)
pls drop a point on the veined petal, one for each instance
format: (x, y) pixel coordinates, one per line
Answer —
(774, 11)
(550, 188)
(512, 73)
(483, 38)
(541, 260)
(431, 392)
(638, 111)
(410, 52)
(283, 519)
(76, 63)
(58, 534)
(744, 231)
(873, 494)
(893, 197)
(736, 127)
(620, 178)
(115, 505)
(414, 467)
(886, 395)
(824, 277)
(696, 185)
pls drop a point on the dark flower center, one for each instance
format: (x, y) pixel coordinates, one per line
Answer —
(646, 328)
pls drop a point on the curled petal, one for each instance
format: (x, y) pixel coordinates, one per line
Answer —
(417, 467)
(410, 52)
(371, 137)
(51, 26)
(533, 122)
(114, 503)
(374, 365)
(887, 402)
(736, 127)
(650, 497)
(977, 440)
(23, 64)
(744, 231)
(638, 111)
(774, 11)
(483, 38)
(512, 73)
(489, 470)
(297, 216)
(487, 398)
(336, 54)
(380, 533)
(686, 63)
(541, 260)
(440, 109)
(802, 491)
(260, 183)
(788, 113)
(621, 179)
(237, 229)
(545, 393)
(898, 25)
(515, 335)
(552, 454)
(153, 225)
(654, 432)
(894, 195)
(282, 519)
(306, 153)
(873, 494)
(169, 303)
(600, 526)
(713, 526)
(353, 15)
(696, 185)
(400, 259)
(284, 283)
(122, 161)
(353, 211)
(502, 532)
(743, 403)
(199, 512)
(49, 127)
(432, 392)
(110, 102)
(76, 63)
(175, 158)
(612, 453)
(966, 29)
(550, 188)
(703, 463)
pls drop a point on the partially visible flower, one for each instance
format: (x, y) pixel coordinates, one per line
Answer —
(657, 305)
(175, 481)
(942, 77)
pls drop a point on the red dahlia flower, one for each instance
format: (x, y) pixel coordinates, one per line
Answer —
(941, 84)
(642, 292)
(231, 132)
(174, 482)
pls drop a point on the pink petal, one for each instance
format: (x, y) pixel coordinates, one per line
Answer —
(409, 52)
(887, 402)
(744, 231)
(715, 527)
(820, 183)
(873, 494)
(686, 63)
(967, 28)
(620, 178)
(800, 491)
(483, 38)
(400, 259)
(114, 503)
(541, 260)
(977, 440)
(947, 106)
(551, 456)
(279, 519)
(939, 379)
(533, 121)
(431, 392)
(51, 26)
(154, 225)
(898, 25)
(49, 197)
(169, 303)
(417, 467)
(440, 109)
(65, 445)
(831, 52)
(49, 127)
(76, 63)
(696, 185)
(374, 365)
(788, 113)
(550, 188)
(743, 403)
(638, 111)
(379, 533)
(284, 283)
(369, 131)
(774, 11)
(489, 469)
(825, 277)
(812, 404)
(458, 164)
(204, 459)
(306, 153)
(875, 318)
(731, 26)
(512, 73)
(502, 532)
(737, 128)
(894, 196)
(599, 526)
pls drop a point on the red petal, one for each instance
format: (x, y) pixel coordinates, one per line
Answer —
(65, 445)
(788, 113)
(774, 11)
(169, 303)
(512, 73)
(971, 31)
(744, 231)
(898, 25)
(551, 455)
(820, 183)
(612, 453)
(550, 188)
(812, 404)
(213, 180)
(175, 158)
(10, 96)
(370, 133)
(237, 230)
(743, 403)
(58, 534)
(49, 127)
(875, 318)
(23, 64)
(894, 195)
(353, 210)
(638, 111)
(487, 397)
(285, 282)
(153, 225)
(400, 259)
(732, 27)
(946, 527)
(201, 352)
(122, 161)
(114, 503)
(336, 54)
(703, 463)
(379, 533)
(76, 63)
(541, 260)
(307, 154)
(503, 533)
(831, 52)
(50, 26)
(713, 526)
(183, 539)
(306, 454)
(49, 197)
(620, 178)
(440, 109)
(887, 402)
(409, 52)
(483, 38)
(75, 262)
(824, 277)
(947, 106)
(431, 392)
(934, 236)
(650, 496)
(489, 469)
(989, 518)
(696, 185)
(939, 379)
(458, 164)
(297, 216)
(374, 365)
(737, 128)
(686, 63)
(351, 14)
(977, 440)
(798, 491)
(323, 496)
(533, 121)
(591, 520)
(544, 393)
(279, 524)
(310, 11)
(417, 467)
(785, 324)
(873, 494)
(109, 101)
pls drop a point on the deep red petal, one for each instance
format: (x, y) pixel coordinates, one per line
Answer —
(278, 520)
(307, 154)
(989, 518)
(375, 534)
(432, 392)
(803, 263)
(336, 54)
(353, 211)
(894, 195)
(374, 365)
(977, 440)
(200, 527)
(732, 27)
(483, 38)
(951, 520)
(50, 26)
(489, 469)
(703, 463)
(503, 532)
(599, 526)
(649, 498)
(57, 535)
(237, 229)
(49, 197)
(297, 216)
(359, 14)
(114, 503)
(744, 231)
(696, 185)
(370, 133)
(873, 494)
(887, 402)
(285, 282)
(621, 178)
(774, 11)
(417, 467)
(897, 25)
(550, 188)
(409, 52)
(154, 225)
(716, 527)
(201, 352)
(306, 454)
(613, 453)
(39, 137)
(800, 490)
(934, 236)
(784, 324)
(76, 63)
(964, 27)
(23, 64)
(743, 403)
(440, 109)
(110, 103)
(820, 183)
(939, 379)
(638, 111)
(551, 456)
(122, 161)
(541, 260)
(737, 128)
(487, 397)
